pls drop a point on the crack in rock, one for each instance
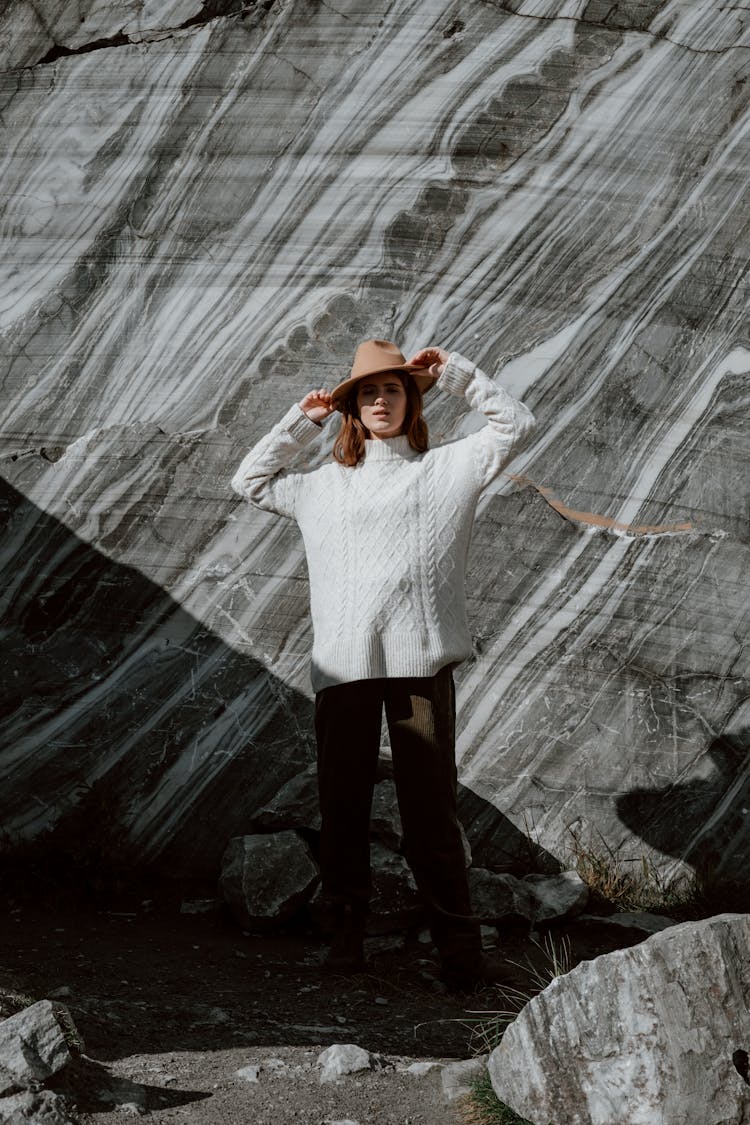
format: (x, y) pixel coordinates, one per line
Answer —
(53, 452)
(211, 10)
(217, 9)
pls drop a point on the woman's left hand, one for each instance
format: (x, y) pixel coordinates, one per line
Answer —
(434, 358)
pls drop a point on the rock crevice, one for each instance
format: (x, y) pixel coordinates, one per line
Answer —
(211, 10)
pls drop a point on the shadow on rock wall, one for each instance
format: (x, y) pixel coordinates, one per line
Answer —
(122, 711)
(135, 734)
(704, 821)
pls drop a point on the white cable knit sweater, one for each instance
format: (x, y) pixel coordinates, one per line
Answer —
(387, 540)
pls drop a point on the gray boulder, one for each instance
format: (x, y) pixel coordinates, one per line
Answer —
(553, 896)
(492, 895)
(657, 1034)
(266, 879)
(395, 903)
(35, 1107)
(345, 1058)
(32, 1047)
(385, 819)
(295, 805)
(540, 898)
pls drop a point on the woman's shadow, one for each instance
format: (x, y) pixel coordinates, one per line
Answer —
(704, 822)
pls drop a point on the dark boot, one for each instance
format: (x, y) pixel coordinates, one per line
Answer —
(347, 953)
(466, 971)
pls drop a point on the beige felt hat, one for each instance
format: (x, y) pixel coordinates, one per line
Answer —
(375, 357)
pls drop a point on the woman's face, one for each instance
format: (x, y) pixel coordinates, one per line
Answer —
(381, 401)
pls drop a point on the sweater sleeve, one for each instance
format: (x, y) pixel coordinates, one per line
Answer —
(262, 476)
(509, 421)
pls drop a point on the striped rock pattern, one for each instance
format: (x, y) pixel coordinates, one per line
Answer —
(205, 207)
(652, 1035)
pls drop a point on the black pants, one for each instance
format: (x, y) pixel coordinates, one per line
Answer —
(421, 713)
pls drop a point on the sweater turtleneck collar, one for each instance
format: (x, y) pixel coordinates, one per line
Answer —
(389, 449)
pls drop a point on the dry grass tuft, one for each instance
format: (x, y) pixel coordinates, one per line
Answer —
(553, 959)
(634, 884)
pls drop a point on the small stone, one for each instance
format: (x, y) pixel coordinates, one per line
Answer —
(344, 1058)
(61, 993)
(381, 1000)
(248, 1073)
(419, 1069)
(200, 905)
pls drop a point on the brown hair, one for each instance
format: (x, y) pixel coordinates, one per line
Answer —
(349, 447)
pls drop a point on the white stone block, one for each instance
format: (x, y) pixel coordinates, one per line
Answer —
(657, 1034)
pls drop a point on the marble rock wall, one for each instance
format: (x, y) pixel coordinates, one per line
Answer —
(204, 207)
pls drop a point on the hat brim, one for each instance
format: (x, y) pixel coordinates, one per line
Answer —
(421, 377)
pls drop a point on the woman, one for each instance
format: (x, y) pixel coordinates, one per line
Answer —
(386, 526)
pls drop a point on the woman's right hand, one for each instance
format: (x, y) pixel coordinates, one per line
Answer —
(317, 405)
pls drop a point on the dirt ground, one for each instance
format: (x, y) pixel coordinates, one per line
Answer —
(178, 1003)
